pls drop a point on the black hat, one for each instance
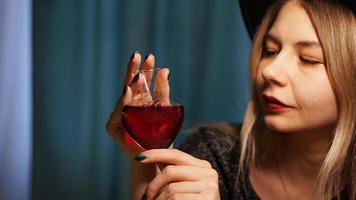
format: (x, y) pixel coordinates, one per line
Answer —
(254, 10)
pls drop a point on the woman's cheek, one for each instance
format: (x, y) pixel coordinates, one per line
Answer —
(318, 105)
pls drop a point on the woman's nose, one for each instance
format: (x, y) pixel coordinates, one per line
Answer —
(275, 72)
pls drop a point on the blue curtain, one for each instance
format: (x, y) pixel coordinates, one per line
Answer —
(80, 53)
(15, 99)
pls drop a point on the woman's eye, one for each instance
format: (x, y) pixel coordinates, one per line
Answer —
(308, 61)
(269, 53)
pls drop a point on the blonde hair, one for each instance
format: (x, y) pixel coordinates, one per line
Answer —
(335, 27)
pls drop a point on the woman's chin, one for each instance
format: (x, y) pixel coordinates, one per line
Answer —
(276, 124)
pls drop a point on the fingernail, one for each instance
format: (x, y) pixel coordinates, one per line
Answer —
(168, 76)
(133, 55)
(124, 90)
(148, 56)
(141, 156)
(144, 197)
(135, 79)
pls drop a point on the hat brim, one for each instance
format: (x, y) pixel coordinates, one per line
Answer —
(253, 12)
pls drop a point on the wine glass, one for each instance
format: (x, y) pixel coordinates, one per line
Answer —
(152, 118)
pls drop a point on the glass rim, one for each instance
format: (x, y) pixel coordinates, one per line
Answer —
(149, 70)
(172, 102)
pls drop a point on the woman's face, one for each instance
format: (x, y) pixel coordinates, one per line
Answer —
(292, 82)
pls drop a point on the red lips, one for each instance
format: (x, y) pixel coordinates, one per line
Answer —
(272, 103)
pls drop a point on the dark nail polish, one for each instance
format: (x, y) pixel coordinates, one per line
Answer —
(169, 75)
(133, 55)
(144, 197)
(135, 79)
(141, 156)
(148, 56)
(124, 90)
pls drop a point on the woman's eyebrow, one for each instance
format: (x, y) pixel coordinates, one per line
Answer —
(302, 43)
(272, 38)
(307, 43)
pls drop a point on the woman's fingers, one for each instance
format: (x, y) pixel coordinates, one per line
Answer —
(172, 156)
(132, 85)
(167, 195)
(133, 82)
(186, 188)
(136, 86)
(162, 87)
(181, 168)
(115, 128)
(114, 124)
(172, 175)
(186, 197)
(132, 67)
(149, 62)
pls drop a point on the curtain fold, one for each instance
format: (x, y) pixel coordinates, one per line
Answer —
(15, 99)
(80, 53)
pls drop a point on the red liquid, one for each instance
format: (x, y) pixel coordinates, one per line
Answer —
(153, 127)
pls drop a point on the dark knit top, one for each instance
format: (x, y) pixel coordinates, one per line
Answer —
(219, 144)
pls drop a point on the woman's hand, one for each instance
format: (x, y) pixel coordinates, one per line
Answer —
(131, 86)
(184, 177)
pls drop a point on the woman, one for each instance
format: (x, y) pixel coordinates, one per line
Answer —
(297, 140)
